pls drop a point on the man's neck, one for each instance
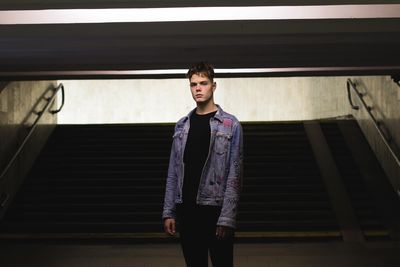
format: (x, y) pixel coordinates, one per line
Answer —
(204, 108)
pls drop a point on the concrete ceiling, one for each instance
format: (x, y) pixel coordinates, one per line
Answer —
(369, 46)
(50, 4)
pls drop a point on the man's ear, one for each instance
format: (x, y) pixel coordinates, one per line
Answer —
(214, 86)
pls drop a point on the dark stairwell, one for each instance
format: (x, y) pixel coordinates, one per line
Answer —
(107, 181)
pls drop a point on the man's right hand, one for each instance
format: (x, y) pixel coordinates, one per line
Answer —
(169, 226)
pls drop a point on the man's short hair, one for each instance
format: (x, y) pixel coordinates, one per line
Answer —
(201, 68)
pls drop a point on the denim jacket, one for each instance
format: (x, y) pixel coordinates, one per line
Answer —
(221, 179)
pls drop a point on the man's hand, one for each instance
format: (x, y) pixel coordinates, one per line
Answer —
(223, 232)
(169, 226)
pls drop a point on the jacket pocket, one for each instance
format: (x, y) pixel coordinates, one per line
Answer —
(221, 143)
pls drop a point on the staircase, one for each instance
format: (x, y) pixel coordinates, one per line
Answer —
(108, 181)
(283, 195)
(95, 179)
(361, 197)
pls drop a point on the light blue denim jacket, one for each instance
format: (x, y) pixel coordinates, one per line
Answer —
(221, 179)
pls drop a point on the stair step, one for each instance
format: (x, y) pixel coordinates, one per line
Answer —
(111, 179)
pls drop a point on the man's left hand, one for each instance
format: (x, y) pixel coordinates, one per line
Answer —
(223, 232)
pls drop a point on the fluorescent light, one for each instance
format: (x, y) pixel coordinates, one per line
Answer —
(182, 72)
(126, 15)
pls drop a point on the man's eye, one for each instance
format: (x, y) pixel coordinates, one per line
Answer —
(203, 83)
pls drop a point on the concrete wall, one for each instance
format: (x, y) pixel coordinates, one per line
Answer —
(166, 100)
(18, 102)
(383, 95)
(250, 99)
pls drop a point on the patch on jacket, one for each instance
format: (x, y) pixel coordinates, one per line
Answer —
(227, 122)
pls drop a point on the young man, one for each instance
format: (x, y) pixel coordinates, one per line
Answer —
(204, 176)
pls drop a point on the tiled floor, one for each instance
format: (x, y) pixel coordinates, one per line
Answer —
(374, 254)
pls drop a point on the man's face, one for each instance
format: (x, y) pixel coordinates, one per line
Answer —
(202, 88)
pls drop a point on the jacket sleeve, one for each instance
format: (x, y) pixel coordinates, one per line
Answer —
(234, 180)
(171, 187)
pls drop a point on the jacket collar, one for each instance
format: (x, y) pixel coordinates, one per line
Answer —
(218, 115)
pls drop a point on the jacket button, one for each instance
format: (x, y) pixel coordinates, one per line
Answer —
(211, 183)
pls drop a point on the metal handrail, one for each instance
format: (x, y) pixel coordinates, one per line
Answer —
(351, 85)
(50, 101)
(348, 84)
(62, 99)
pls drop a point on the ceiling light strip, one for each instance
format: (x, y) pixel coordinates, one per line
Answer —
(126, 15)
(182, 72)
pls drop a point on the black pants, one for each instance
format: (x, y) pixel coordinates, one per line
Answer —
(197, 227)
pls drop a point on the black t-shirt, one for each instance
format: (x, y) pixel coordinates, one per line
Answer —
(195, 156)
